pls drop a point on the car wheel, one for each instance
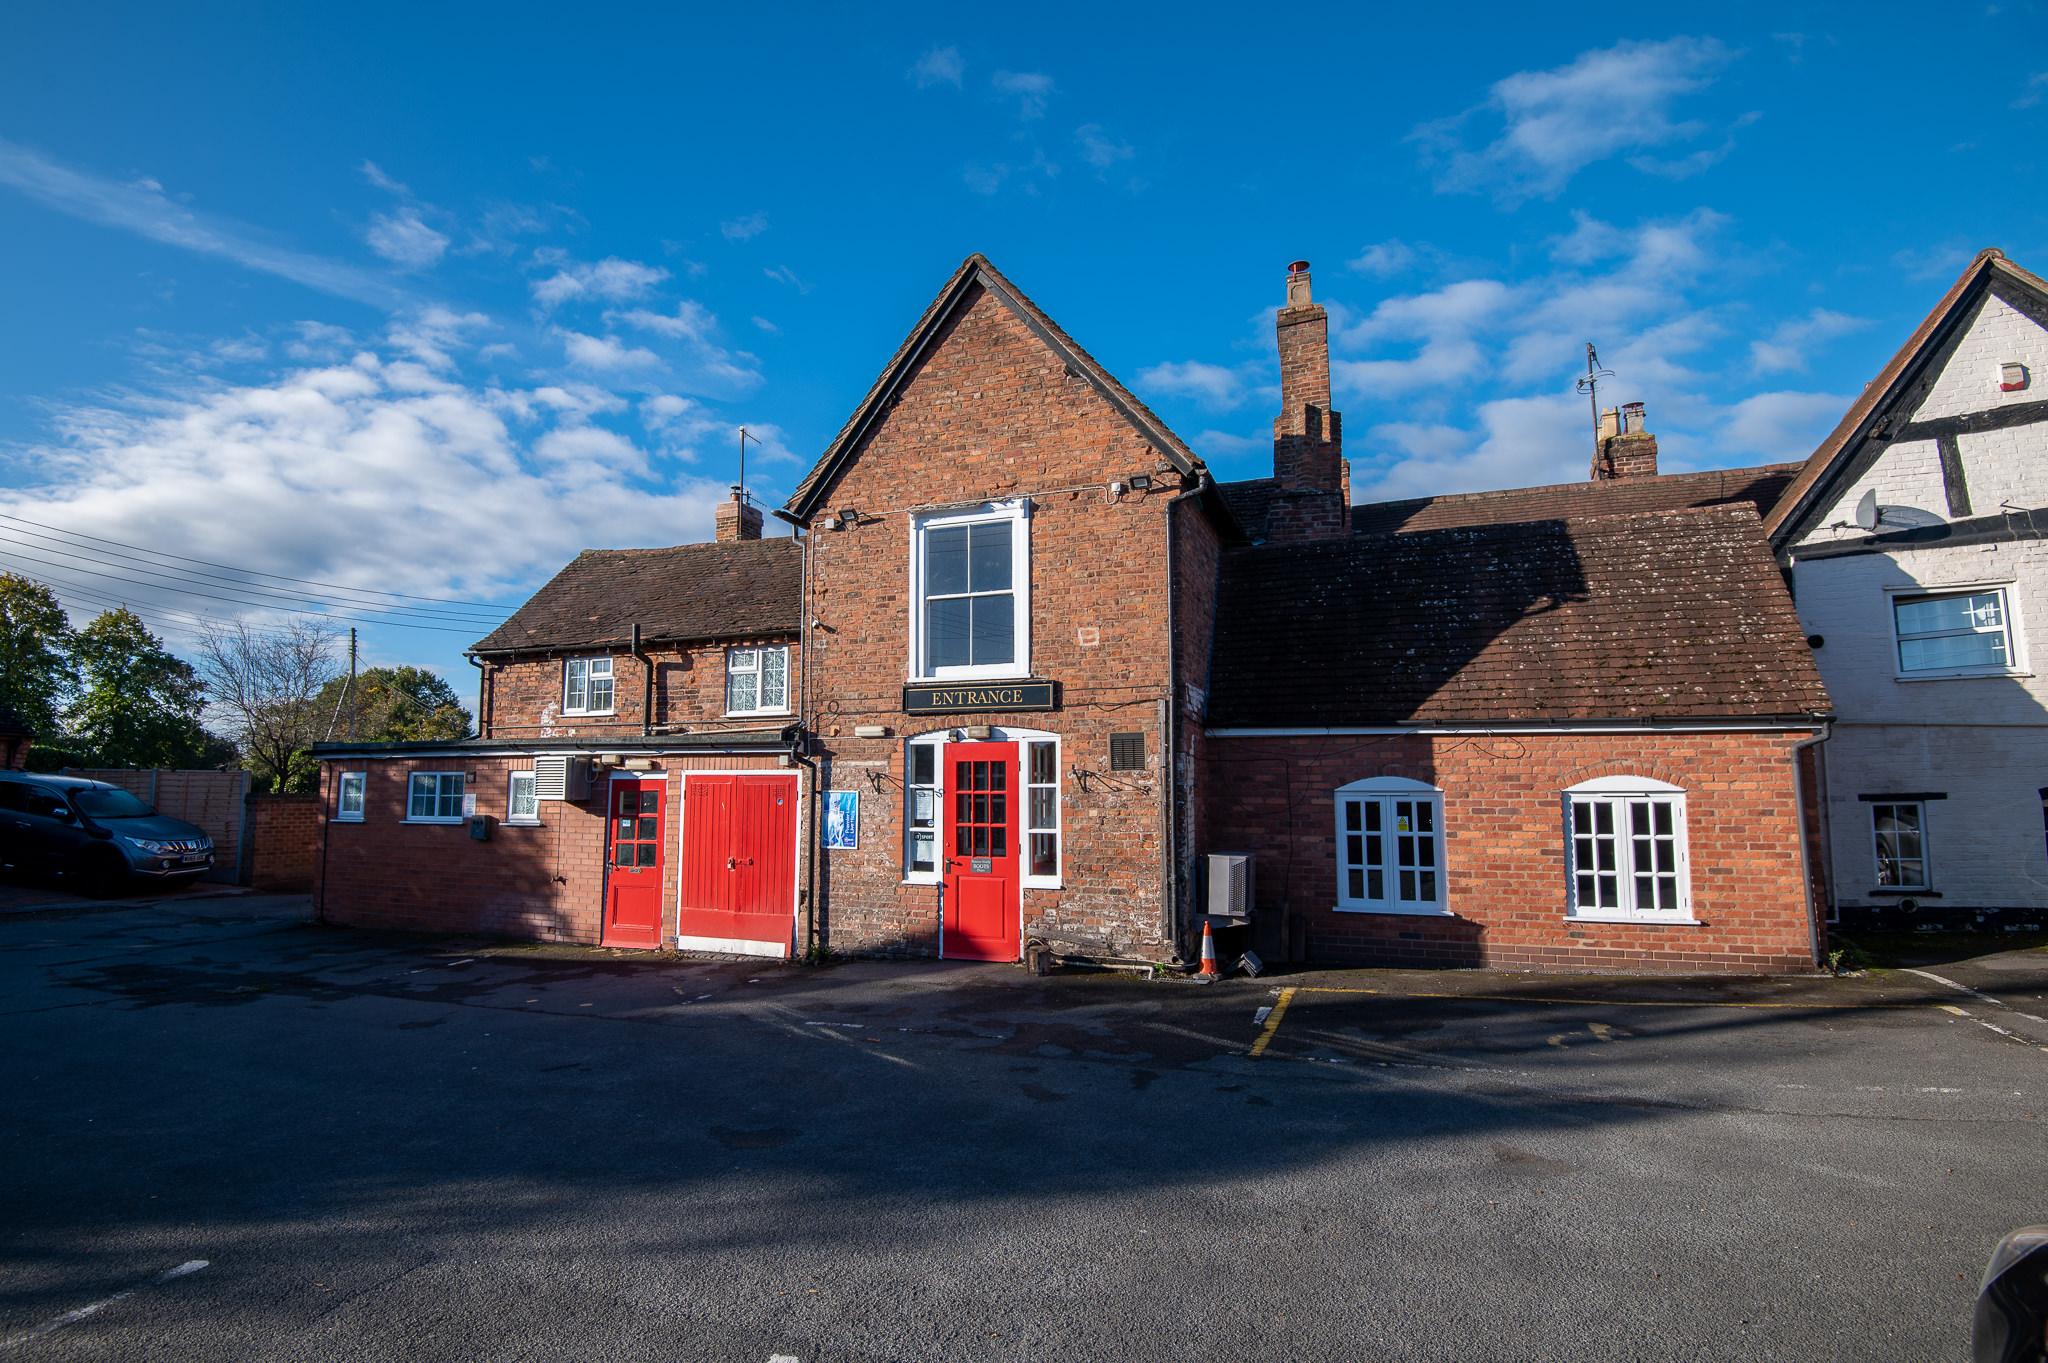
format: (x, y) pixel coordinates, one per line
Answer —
(103, 873)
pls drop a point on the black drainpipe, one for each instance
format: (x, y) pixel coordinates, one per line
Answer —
(646, 685)
(799, 739)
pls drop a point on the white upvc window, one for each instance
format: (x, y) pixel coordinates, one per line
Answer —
(1626, 836)
(1899, 830)
(348, 796)
(921, 808)
(522, 799)
(757, 681)
(1041, 762)
(1955, 633)
(970, 597)
(587, 686)
(435, 797)
(1390, 847)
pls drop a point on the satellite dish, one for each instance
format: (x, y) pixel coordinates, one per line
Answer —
(1867, 514)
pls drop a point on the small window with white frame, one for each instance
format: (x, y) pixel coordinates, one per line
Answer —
(1958, 633)
(1390, 847)
(435, 797)
(1626, 836)
(1041, 757)
(522, 799)
(348, 796)
(757, 680)
(587, 686)
(1898, 829)
(971, 593)
(921, 809)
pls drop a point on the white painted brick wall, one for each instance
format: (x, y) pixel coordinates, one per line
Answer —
(1981, 740)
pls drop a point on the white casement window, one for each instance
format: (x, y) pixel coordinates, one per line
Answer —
(921, 808)
(1961, 633)
(971, 593)
(1899, 829)
(586, 686)
(1390, 847)
(1626, 836)
(1041, 762)
(522, 799)
(757, 681)
(434, 797)
(348, 796)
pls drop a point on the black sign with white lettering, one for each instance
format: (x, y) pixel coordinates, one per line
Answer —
(980, 697)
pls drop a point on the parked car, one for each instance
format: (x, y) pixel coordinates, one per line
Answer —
(96, 834)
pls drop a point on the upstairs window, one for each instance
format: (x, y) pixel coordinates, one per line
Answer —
(757, 681)
(348, 796)
(1900, 832)
(1389, 847)
(971, 603)
(1954, 632)
(586, 686)
(1627, 840)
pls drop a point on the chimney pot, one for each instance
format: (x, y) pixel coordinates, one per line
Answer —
(736, 520)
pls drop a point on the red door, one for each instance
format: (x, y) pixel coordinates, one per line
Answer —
(982, 922)
(632, 903)
(739, 864)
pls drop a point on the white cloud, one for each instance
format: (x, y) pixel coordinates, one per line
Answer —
(433, 335)
(583, 446)
(705, 364)
(1783, 425)
(763, 324)
(1520, 442)
(141, 207)
(605, 354)
(1441, 362)
(1791, 343)
(1028, 89)
(1385, 258)
(1212, 385)
(744, 228)
(2033, 92)
(374, 173)
(782, 274)
(1099, 149)
(405, 240)
(1230, 444)
(1454, 309)
(1553, 124)
(939, 66)
(612, 279)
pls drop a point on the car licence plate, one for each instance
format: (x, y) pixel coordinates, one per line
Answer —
(191, 857)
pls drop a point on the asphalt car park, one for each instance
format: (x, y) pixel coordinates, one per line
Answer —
(236, 1133)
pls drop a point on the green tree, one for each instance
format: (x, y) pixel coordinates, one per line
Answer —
(264, 684)
(394, 705)
(136, 704)
(35, 675)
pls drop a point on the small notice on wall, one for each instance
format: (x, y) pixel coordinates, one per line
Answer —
(842, 820)
(469, 805)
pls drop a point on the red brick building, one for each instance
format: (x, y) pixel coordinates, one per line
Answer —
(1035, 665)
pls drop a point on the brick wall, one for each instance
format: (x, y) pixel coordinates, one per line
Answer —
(1504, 847)
(524, 698)
(544, 883)
(991, 412)
(284, 841)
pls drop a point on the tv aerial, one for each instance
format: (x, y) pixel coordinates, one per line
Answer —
(1589, 384)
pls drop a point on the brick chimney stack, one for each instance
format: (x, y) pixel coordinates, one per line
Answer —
(1624, 449)
(736, 520)
(1313, 499)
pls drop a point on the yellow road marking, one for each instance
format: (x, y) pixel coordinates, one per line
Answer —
(1272, 1023)
(1588, 1003)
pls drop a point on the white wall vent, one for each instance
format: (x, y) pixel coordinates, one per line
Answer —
(561, 778)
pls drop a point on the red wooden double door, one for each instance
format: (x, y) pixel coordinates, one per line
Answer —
(737, 882)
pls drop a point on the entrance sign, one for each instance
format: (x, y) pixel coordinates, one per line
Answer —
(985, 698)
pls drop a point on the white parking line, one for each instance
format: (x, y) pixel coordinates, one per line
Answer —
(1976, 994)
(189, 1267)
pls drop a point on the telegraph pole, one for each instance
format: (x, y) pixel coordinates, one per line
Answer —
(350, 693)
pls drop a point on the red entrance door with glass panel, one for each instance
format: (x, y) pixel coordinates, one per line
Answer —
(982, 920)
(632, 894)
(738, 883)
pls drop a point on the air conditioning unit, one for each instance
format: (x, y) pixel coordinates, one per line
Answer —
(561, 778)
(1230, 885)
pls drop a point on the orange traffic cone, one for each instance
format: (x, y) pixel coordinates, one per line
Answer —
(1209, 970)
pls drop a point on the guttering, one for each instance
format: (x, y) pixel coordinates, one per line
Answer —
(1773, 724)
(646, 684)
(1170, 881)
(483, 704)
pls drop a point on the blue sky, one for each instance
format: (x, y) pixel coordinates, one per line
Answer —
(423, 303)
